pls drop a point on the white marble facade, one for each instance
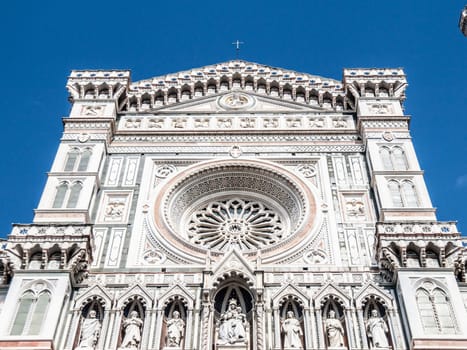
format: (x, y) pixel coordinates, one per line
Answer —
(235, 206)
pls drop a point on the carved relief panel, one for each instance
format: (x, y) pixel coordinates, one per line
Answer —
(114, 207)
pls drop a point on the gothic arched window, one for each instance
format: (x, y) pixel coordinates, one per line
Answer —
(66, 195)
(71, 159)
(385, 155)
(84, 161)
(30, 313)
(399, 159)
(78, 159)
(395, 194)
(435, 311)
(62, 189)
(393, 158)
(403, 194)
(74, 195)
(409, 195)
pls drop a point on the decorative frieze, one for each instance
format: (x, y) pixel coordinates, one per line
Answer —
(236, 122)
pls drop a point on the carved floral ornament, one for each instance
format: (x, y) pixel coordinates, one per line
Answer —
(222, 205)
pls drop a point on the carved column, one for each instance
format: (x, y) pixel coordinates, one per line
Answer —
(358, 338)
(306, 328)
(319, 322)
(196, 328)
(269, 332)
(113, 336)
(348, 326)
(152, 327)
(145, 331)
(395, 333)
(205, 326)
(188, 330)
(277, 328)
(362, 327)
(158, 330)
(313, 329)
(104, 330)
(260, 325)
(73, 328)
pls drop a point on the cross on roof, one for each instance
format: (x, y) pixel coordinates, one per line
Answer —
(237, 46)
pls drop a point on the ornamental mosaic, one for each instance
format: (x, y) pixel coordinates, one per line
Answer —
(237, 223)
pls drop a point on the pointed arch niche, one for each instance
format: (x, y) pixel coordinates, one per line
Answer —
(92, 304)
(334, 323)
(175, 300)
(234, 299)
(288, 305)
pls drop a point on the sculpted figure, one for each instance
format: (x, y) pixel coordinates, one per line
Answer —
(175, 329)
(376, 329)
(232, 325)
(334, 331)
(292, 332)
(90, 331)
(132, 331)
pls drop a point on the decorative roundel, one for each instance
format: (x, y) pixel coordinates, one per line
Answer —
(231, 204)
(236, 100)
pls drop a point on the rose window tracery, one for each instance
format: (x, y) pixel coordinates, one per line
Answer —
(250, 206)
(235, 223)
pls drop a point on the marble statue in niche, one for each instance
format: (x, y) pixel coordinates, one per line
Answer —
(292, 332)
(377, 331)
(90, 331)
(132, 331)
(334, 331)
(232, 329)
(175, 330)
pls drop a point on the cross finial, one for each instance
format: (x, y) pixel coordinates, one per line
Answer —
(237, 47)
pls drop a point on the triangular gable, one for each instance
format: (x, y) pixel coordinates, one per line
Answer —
(330, 289)
(233, 263)
(300, 91)
(221, 69)
(94, 291)
(370, 289)
(138, 291)
(287, 290)
(177, 290)
(213, 103)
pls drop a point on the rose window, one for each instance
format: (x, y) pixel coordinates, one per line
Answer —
(235, 223)
(223, 205)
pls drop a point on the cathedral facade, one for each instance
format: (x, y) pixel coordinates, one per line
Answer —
(235, 206)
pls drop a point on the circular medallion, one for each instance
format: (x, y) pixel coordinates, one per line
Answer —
(388, 136)
(236, 100)
(83, 138)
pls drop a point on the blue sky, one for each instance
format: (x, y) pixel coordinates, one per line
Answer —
(43, 40)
